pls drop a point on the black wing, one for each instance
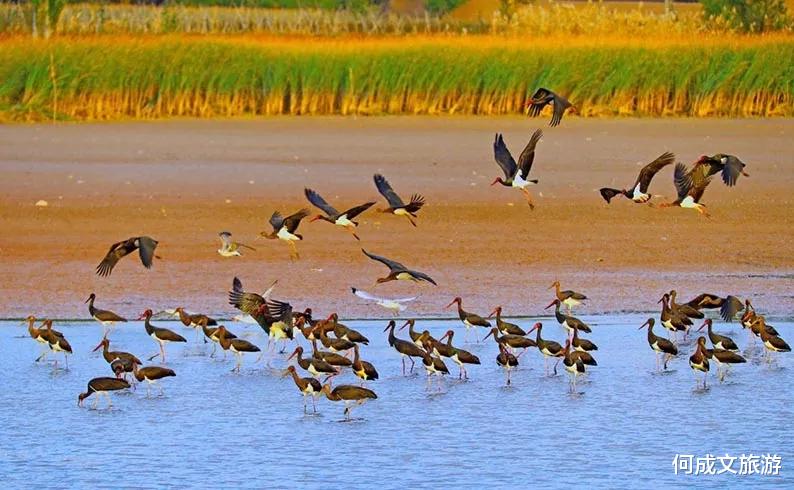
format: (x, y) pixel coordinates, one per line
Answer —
(321, 203)
(250, 303)
(559, 104)
(503, 157)
(705, 300)
(540, 99)
(682, 180)
(730, 307)
(146, 246)
(417, 201)
(528, 155)
(353, 212)
(732, 169)
(649, 171)
(117, 252)
(279, 309)
(391, 264)
(423, 276)
(386, 191)
(292, 221)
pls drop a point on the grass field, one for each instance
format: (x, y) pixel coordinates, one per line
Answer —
(90, 79)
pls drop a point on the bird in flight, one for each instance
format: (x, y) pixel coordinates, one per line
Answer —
(143, 244)
(230, 248)
(639, 192)
(285, 229)
(730, 167)
(559, 104)
(398, 272)
(396, 204)
(344, 219)
(516, 174)
(396, 305)
(690, 184)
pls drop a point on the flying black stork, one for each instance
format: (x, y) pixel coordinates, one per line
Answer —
(728, 165)
(516, 174)
(568, 297)
(160, 335)
(106, 317)
(282, 329)
(639, 193)
(660, 345)
(285, 229)
(350, 395)
(253, 304)
(543, 97)
(690, 185)
(101, 386)
(307, 386)
(343, 219)
(729, 306)
(396, 205)
(470, 320)
(398, 272)
(143, 244)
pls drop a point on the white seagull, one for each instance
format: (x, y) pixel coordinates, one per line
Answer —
(395, 305)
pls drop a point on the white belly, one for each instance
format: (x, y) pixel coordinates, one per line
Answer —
(401, 212)
(227, 253)
(570, 302)
(343, 221)
(286, 235)
(404, 276)
(688, 202)
(668, 325)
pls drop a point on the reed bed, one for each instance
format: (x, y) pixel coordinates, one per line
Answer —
(542, 19)
(91, 79)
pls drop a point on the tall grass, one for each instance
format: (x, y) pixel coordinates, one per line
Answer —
(200, 77)
(554, 18)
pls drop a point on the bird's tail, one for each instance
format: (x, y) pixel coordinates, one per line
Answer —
(608, 193)
(533, 181)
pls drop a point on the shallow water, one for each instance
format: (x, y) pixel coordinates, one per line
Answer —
(622, 427)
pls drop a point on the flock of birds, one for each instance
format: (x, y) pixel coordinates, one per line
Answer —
(335, 346)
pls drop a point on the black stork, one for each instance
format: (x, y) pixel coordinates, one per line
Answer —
(543, 97)
(516, 173)
(101, 386)
(699, 362)
(285, 229)
(728, 165)
(659, 345)
(568, 297)
(458, 356)
(470, 320)
(690, 186)
(567, 321)
(507, 360)
(719, 341)
(350, 395)
(639, 191)
(403, 347)
(160, 335)
(343, 219)
(307, 386)
(548, 348)
(143, 244)
(151, 374)
(398, 272)
(396, 205)
(106, 317)
(503, 326)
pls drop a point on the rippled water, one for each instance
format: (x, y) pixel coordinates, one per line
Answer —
(215, 428)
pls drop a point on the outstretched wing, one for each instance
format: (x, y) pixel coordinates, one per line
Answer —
(116, 252)
(386, 191)
(417, 201)
(559, 104)
(276, 221)
(649, 171)
(539, 100)
(528, 155)
(732, 169)
(321, 203)
(146, 246)
(503, 157)
(682, 180)
(730, 307)
(250, 303)
(353, 212)
(366, 295)
(279, 309)
(292, 221)
(226, 238)
(391, 264)
(423, 276)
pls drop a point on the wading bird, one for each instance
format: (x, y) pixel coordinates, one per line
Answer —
(639, 193)
(720, 341)
(470, 320)
(231, 248)
(660, 345)
(396, 305)
(543, 97)
(699, 362)
(143, 244)
(127, 359)
(40, 335)
(151, 374)
(106, 317)
(350, 395)
(512, 341)
(363, 369)
(237, 346)
(307, 386)
(396, 204)
(572, 363)
(516, 174)
(503, 326)
(101, 386)
(398, 272)
(568, 297)
(57, 343)
(285, 229)
(684, 308)
(507, 360)
(343, 219)
(313, 365)
(160, 335)
(723, 358)
(195, 320)
(458, 356)
(548, 348)
(567, 321)
(403, 347)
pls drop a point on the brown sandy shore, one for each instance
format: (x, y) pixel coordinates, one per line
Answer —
(184, 181)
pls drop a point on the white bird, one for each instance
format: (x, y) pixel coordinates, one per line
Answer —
(230, 248)
(395, 305)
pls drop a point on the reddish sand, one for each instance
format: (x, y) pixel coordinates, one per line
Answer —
(184, 181)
